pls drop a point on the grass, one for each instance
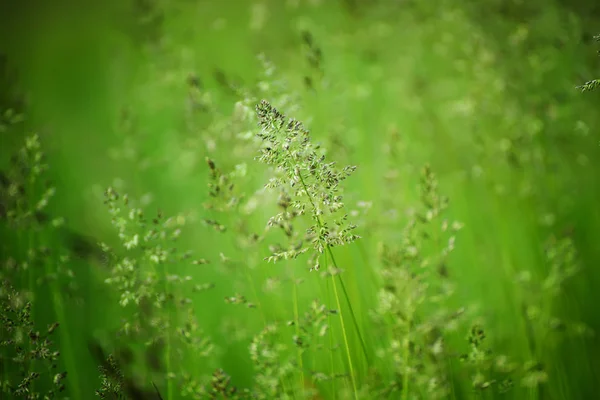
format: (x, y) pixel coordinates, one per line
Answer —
(193, 241)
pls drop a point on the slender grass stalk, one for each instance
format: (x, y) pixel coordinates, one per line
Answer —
(297, 322)
(339, 305)
(69, 357)
(354, 319)
(335, 265)
(30, 272)
(170, 388)
(406, 352)
(331, 357)
(350, 366)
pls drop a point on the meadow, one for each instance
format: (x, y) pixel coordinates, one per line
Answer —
(300, 199)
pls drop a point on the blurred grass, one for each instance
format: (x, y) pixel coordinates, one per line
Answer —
(467, 91)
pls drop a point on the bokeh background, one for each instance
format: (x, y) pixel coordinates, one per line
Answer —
(483, 91)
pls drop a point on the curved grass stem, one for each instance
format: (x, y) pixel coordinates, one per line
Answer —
(335, 265)
(297, 322)
(337, 298)
(350, 365)
(354, 319)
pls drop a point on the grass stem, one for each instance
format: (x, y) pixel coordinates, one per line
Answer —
(297, 322)
(335, 265)
(350, 366)
(65, 336)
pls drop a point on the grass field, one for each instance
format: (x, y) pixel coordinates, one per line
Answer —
(190, 242)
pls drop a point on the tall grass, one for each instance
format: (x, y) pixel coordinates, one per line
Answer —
(213, 246)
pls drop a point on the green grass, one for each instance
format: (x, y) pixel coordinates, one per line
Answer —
(489, 292)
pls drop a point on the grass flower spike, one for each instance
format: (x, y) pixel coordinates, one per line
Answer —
(302, 171)
(309, 182)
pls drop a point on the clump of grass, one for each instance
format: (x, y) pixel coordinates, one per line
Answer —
(487, 371)
(221, 387)
(157, 298)
(540, 297)
(413, 306)
(311, 330)
(115, 385)
(29, 357)
(24, 202)
(273, 364)
(546, 327)
(25, 194)
(112, 380)
(200, 346)
(30, 262)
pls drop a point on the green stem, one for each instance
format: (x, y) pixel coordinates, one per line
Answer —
(350, 366)
(335, 265)
(297, 320)
(354, 319)
(332, 360)
(406, 351)
(343, 325)
(30, 273)
(66, 341)
(168, 341)
(331, 356)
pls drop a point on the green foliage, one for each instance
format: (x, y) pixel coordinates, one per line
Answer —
(413, 302)
(221, 387)
(112, 380)
(156, 297)
(27, 353)
(187, 303)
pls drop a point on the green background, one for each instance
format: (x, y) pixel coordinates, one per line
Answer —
(483, 91)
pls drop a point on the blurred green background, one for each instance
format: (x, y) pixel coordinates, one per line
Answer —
(483, 91)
